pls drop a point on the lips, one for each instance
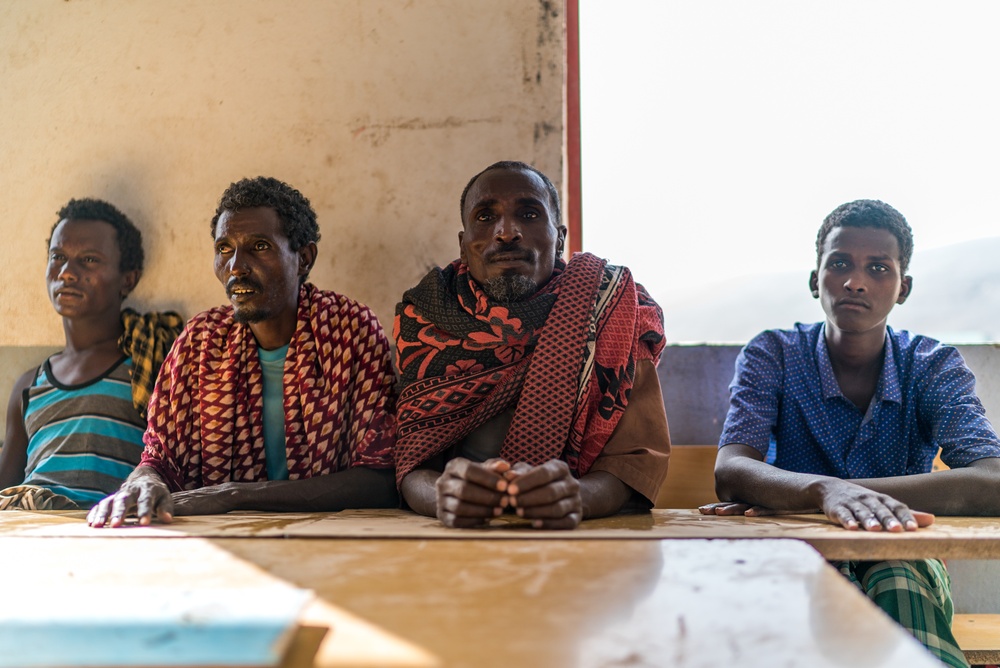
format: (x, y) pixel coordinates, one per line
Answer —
(67, 292)
(499, 257)
(854, 303)
(241, 289)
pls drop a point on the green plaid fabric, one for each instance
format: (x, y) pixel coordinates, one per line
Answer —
(917, 594)
(147, 339)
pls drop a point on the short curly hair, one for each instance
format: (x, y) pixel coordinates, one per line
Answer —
(297, 216)
(517, 166)
(869, 213)
(126, 233)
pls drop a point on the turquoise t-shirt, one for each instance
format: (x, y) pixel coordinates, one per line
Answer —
(272, 364)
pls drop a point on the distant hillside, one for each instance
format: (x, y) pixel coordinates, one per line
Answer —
(956, 298)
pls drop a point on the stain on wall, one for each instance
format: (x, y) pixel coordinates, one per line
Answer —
(378, 111)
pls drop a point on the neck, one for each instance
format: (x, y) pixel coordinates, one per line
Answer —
(855, 350)
(92, 335)
(274, 333)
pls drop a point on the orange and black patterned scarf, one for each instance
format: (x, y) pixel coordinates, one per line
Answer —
(565, 357)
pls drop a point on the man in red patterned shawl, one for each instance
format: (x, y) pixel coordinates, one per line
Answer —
(280, 401)
(528, 384)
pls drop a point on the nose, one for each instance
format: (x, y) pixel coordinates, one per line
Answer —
(507, 230)
(66, 274)
(237, 265)
(855, 282)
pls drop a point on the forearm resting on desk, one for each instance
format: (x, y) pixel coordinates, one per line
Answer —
(971, 490)
(358, 487)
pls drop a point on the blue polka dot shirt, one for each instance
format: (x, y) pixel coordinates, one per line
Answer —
(785, 402)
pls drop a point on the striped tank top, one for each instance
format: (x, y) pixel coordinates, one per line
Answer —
(83, 440)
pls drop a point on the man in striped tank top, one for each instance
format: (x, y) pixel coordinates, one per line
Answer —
(75, 423)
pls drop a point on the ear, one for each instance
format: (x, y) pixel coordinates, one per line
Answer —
(130, 279)
(560, 240)
(307, 257)
(461, 248)
(814, 284)
(905, 288)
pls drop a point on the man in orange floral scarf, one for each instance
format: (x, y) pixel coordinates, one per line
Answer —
(528, 383)
(280, 401)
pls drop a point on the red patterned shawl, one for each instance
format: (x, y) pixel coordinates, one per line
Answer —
(566, 358)
(205, 417)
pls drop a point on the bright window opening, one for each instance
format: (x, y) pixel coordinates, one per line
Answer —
(717, 136)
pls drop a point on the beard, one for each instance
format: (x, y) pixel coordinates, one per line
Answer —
(249, 315)
(509, 288)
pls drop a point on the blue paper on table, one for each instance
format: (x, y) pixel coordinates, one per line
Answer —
(149, 626)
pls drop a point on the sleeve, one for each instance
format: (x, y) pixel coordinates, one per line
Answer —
(169, 439)
(755, 394)
(639, 449)
(373, 428)
(955, 415)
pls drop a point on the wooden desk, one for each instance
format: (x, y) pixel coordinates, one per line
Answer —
(947, 538)
(504, 603)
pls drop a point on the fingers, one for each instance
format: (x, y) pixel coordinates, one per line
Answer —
(860, 508)
(548, 495)
(488, 474)
(532, 477)
(724, 508)
(470, 494)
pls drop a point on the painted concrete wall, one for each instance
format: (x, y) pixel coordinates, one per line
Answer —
(377, 110)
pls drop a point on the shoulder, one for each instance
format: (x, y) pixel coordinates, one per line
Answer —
(204, 327)
(800, 338)
(347, 314)
(921, 354)
(23, 382)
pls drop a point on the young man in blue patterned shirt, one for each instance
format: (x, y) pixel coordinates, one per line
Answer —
(847, 416)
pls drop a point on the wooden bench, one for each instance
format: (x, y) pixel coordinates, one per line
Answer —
(691, 483)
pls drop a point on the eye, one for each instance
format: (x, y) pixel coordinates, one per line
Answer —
(531, 214)
(90, 259)
(484, 216)
(879, 268)
(837, 264)
(222, 249)
(261, 246)
(56, 257)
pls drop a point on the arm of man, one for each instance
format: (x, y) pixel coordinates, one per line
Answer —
(144, 492)
(971, 490)
(14, 454)
(630, 469)
(745, 483)
(357, 487)
(465, 494)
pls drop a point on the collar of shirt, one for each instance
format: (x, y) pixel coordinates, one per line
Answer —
(888, 383)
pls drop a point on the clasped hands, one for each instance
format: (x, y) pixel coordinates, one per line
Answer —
(470, 494)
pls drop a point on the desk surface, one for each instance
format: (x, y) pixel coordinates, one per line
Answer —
(484, 602)
(947, 538)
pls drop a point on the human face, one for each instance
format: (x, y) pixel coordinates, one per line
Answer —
(509, 229)
(83, 276)
(258, 268)
(859, 279)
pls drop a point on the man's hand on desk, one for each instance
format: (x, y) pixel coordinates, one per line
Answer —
(143, 492)
(470, 494)
(548, 495)
(852, 506)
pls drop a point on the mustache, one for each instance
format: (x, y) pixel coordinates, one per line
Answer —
(510, 249)
(245, 283)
